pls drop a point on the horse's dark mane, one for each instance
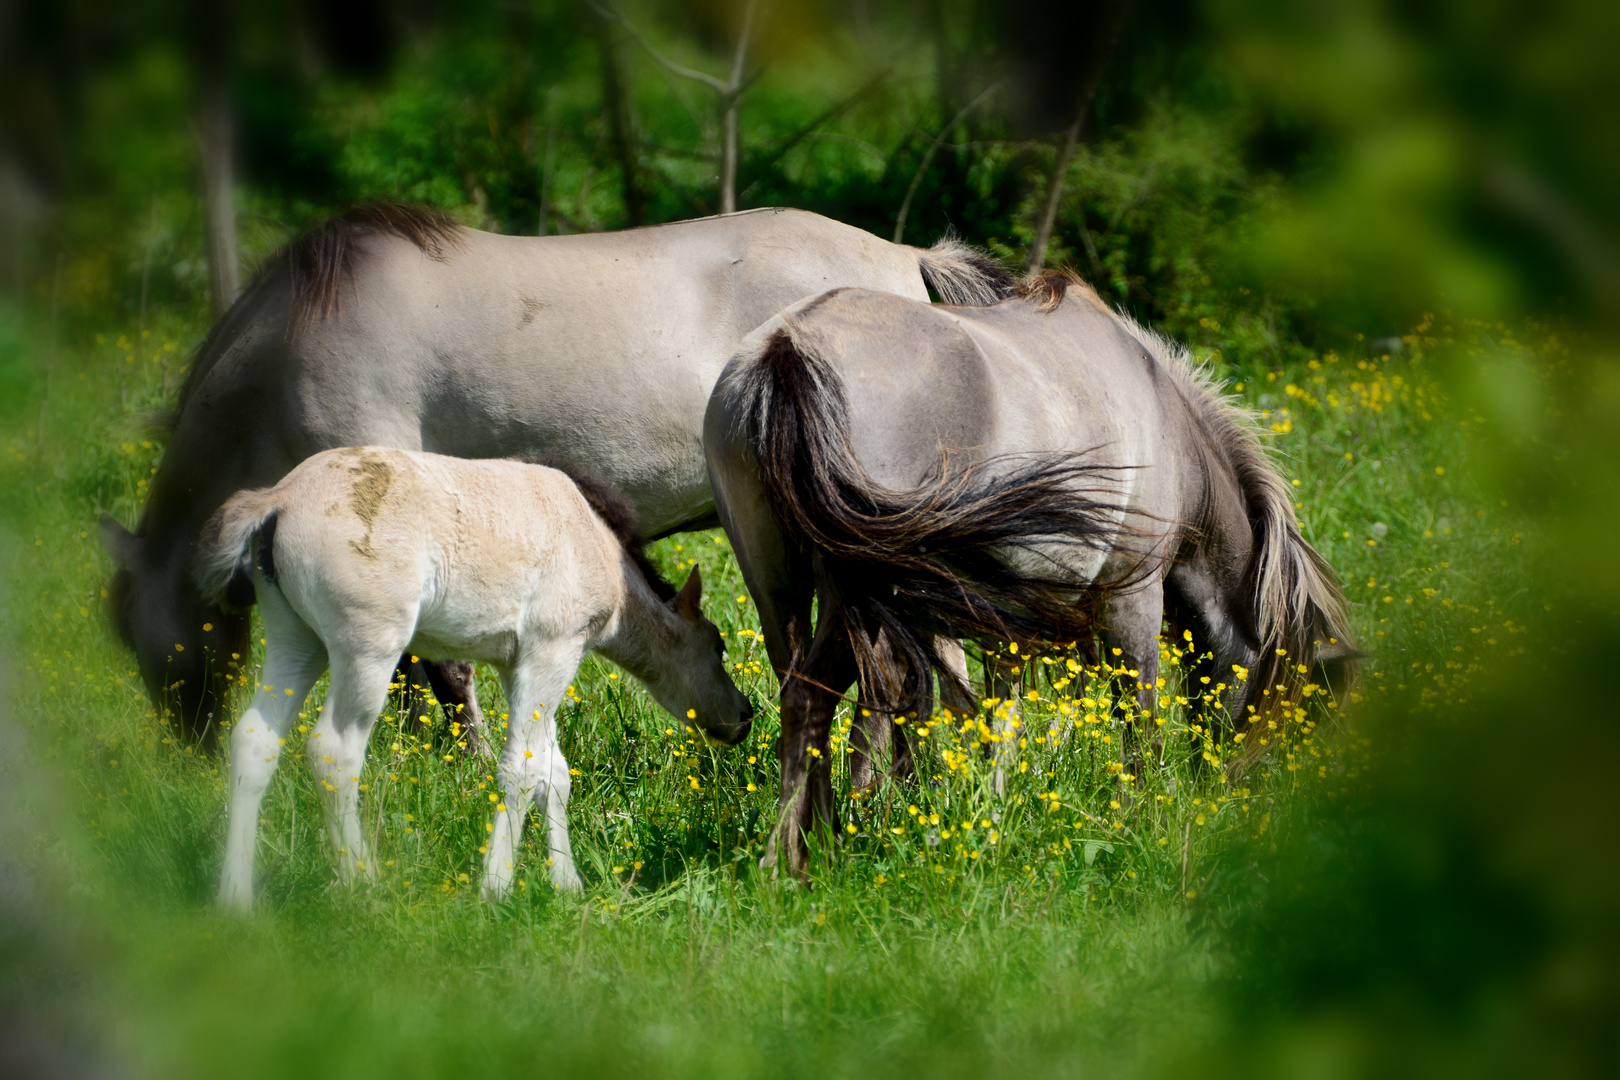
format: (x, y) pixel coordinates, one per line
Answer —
(319, 262)
(907, 564)
(321, 259)
(609, 504)
(1045, 289)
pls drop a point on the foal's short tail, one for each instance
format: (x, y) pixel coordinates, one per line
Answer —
(953, 555)
(964, 275)
(227, 540)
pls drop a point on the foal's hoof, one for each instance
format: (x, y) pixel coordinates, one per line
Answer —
(237, 901)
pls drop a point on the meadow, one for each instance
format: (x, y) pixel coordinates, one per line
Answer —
(948, 928)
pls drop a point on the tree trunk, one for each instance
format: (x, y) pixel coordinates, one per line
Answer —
(1054, 192)
(730, 105)
(622, 122)
(1060, 166)
(728, 151)
(219, 197)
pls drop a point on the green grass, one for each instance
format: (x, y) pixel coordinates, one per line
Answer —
(1063, 934)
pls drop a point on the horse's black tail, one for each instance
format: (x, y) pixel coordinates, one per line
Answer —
(975, 551)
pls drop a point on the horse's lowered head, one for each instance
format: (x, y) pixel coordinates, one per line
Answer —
(689, 677)
(186, 648)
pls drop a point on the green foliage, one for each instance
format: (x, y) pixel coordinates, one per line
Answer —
(1064, 931)
(1345, 210)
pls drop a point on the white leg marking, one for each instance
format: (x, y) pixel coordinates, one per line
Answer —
(337, 752)
(294, 659)
(532, 767)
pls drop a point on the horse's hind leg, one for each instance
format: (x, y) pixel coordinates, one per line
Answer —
(294, 658)
(337, 749)
(877, 741)
(810, 696)
(532, 766)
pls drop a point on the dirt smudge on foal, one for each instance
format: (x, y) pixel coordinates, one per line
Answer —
(373, 478)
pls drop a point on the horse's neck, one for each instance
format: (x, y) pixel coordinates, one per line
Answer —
(643, 633)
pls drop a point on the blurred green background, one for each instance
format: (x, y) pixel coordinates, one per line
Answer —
(1269, 182)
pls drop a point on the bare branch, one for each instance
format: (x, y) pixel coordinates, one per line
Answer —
(834, 112)
(1060, 164)
(610, 10)
(928, 157)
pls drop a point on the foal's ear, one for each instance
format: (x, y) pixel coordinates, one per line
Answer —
(121, 545)
(688, 603)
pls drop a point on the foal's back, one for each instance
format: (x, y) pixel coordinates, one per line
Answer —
(474, 554)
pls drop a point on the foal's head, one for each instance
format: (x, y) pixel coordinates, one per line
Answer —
(688, 672)
(695, 685)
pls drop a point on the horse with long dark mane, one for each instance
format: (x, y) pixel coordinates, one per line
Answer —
(393, 326)
(1040, 471)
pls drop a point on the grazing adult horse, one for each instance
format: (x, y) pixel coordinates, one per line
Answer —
(392, 326)
(362, 552)
(1042, 470)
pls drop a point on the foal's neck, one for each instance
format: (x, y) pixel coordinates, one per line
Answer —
(643, 635)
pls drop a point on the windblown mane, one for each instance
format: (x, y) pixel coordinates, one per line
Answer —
(1298, 605)
(319, 262)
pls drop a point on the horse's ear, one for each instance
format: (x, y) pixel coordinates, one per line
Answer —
(122, 546)
(688, 603)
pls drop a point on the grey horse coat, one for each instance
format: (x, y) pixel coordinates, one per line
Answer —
(1043, 469)
(393, 327)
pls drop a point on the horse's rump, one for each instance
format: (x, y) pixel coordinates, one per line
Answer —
(967, 553)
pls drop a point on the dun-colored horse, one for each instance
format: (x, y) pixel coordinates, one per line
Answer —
(1043, 470)
(393, 326)
(359, 554)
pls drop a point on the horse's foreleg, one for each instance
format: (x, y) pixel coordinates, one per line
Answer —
(1131, 622)
(414, 686)
(1222, 634)
(225, 650)
(532, 767)
(1004, 681)
(454, 684)
(294, 659)
(810, 696)
(876, 740)
(337, 750)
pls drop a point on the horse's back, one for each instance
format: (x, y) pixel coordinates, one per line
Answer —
(922, 380)
(915, 384)
(597, 349)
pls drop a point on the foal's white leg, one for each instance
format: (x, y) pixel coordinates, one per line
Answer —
(337, 751)
(532, 767)
(294, 658)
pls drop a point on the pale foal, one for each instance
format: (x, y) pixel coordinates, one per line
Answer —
(364, 553)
